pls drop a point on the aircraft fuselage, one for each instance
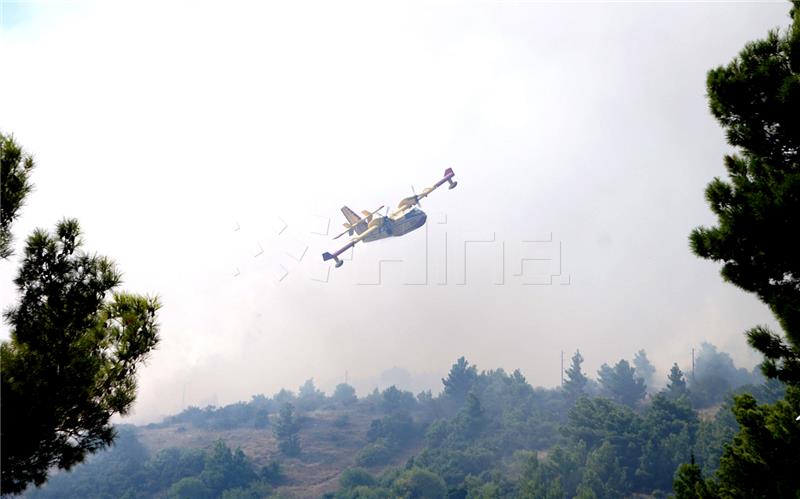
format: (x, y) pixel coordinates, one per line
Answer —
(389, 227)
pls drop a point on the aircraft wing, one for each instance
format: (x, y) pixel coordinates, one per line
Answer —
(335, 255)
(410, 201)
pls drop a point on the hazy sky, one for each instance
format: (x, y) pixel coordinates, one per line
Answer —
(208, 147)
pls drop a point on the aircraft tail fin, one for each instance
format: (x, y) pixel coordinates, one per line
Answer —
(350, 215)
(352, 218)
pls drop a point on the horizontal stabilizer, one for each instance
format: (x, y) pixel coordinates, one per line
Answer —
(327, 256)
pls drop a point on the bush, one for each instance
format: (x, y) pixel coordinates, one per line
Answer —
(419, 483)
(373, 454)
(354, 477)
(189, 488)
(341, 421)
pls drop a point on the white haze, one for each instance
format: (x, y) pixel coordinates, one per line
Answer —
(163, 127)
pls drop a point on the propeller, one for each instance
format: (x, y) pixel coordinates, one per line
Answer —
(416, 197)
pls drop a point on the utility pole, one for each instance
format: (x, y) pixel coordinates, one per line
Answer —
(562, 367)
(692, 363)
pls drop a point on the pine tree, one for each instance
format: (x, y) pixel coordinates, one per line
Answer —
(756, 98)
(620, 384)
(471, 417)
(309, 397)
(677, 384)
(460, 379)
(762, 460)
(689, 483)
(15, 185)
(644, 369)
(603, 475)
(76, 343)
(344, 394)
(576, 380)
(286, 431)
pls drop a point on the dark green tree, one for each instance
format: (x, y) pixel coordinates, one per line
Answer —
(309, 397)
(756, 98)
(226, 469)
(603, 475)
(284, 397)
(15, 185)
(576, 381)
(189, 488)
(418, 483)
(76, 343)
(535, 481)
(460, 380)
(286, 430)
(396, 400)
(676, 387)
(644, 369)
(344, 394)
(472, 418)
(763, 461)
(712, 436)
(620, 383)
(355, 477)
(668, 429)
(690, 484)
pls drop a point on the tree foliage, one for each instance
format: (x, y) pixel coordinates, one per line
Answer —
(460, 379)
(643, 368)
(344, 394)
(419, 483)
(575, 383)
(762, 460)
(286, 430)
(309, 397)
(689, 483)
(756, 98)
(76, 343)
(620, 383)
(127, 471)
(15, 185)
(676, 387)
(507, 439)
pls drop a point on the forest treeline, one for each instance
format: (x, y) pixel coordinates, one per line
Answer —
(488, 433)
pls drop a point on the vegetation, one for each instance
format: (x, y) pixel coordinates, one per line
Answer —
(575, 383)
(505, 439)
(15, 185)
(286, 431)
(644, 370)
(755, 98)
(621, 384)
(75, 342)
(127, 470)
(71, 362)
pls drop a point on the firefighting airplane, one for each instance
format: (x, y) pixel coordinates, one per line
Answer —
(369, 228)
